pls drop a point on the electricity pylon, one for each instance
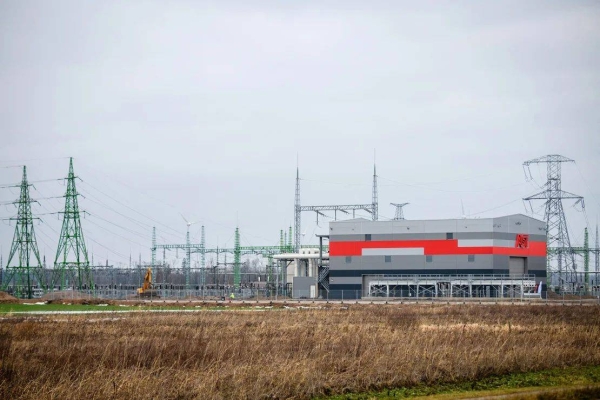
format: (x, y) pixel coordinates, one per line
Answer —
(71, 265)
(556, 224)
(399, 210)
(28, 272)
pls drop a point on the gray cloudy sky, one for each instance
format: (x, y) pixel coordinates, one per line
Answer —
(201, 108)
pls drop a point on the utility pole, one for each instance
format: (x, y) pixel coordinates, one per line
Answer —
(153, 246)
(399, 210)
(188, 258)
(187, 264)
(375, 195)
(597, 258)
(28, 272)
(202, 258)
(297, 213)
(556, 224)
(586, 262)
(236, 260)
(71, 255)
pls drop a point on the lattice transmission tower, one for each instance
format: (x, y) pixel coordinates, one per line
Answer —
(71, 265)
(26, 273)
(560, 250)
(399, 210)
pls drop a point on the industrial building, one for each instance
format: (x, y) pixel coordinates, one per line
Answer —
(491, 257)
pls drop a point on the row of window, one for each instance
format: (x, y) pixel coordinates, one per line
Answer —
(449, 235)
(388, 259)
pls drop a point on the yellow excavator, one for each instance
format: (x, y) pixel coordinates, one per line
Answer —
(146, 289)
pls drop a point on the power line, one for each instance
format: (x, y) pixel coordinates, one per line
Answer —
(140, 224)
(34, 159)
(587, 185)
(116, 234)
(495, 208)
(119, 226)
(112, 251)
(129, 186)
(31, 182)
(452, 191)
(124, 205)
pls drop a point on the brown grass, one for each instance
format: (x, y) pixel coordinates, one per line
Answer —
(286, 353)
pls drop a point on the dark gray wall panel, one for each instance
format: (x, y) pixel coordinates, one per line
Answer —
(433, 236)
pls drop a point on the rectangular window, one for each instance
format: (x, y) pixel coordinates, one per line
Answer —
(368, 237)
(348, 260)
(428, 258)
(388, 259)
(449, 235)
(471, 258)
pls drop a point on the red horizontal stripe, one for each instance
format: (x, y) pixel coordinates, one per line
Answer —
(436, 247)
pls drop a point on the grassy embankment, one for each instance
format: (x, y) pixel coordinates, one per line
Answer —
(292, 354)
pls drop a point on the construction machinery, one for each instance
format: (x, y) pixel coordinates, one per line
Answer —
(146, 289)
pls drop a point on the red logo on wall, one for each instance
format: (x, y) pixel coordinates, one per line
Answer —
(522, 241)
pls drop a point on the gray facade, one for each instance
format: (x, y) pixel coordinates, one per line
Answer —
(510, 245)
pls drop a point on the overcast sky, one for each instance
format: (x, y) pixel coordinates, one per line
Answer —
(203, 109)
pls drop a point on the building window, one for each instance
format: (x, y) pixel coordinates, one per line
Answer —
(388, 259)
(449, 235)
(348, 260)
(428, 258)
(471, 258)
(368, 237)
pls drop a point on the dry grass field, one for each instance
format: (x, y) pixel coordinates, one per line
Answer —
(285, 353)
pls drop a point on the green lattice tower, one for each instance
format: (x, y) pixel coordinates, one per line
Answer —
(71, 265)
(237, 260)
(26, 272)
(289, 244)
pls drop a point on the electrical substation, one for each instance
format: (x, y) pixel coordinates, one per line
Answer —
(510, 256)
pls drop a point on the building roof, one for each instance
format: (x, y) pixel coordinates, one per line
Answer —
(436, 219)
